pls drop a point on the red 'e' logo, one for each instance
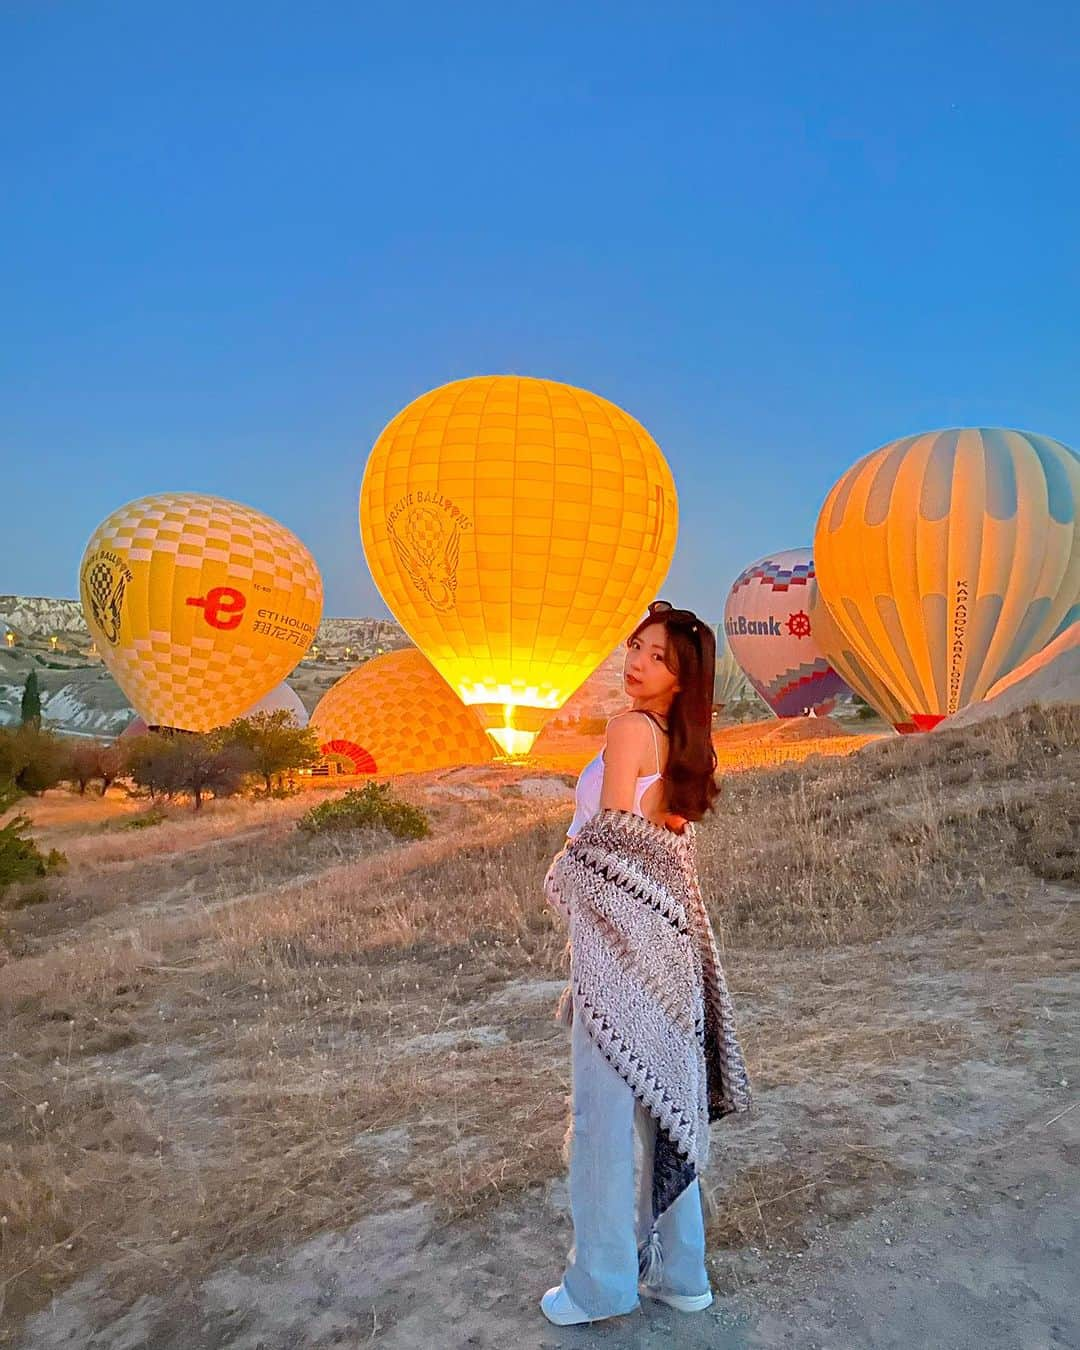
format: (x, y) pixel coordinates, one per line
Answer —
(223, 606)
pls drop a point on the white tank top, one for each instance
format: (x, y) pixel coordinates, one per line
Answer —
(591, 782)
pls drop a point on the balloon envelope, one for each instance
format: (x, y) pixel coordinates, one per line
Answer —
(197, 605)
(730, 684)
(283, 698)
(837, 651)
(948, 558)
(771, 634)
(396, 714)
(517, 529)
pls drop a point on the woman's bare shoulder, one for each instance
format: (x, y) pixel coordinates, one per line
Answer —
(628, 728)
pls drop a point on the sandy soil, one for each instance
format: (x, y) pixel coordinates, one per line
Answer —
(911, 1181)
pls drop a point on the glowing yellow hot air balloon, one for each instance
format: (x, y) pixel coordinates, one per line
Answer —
(396, 714)
(948, 558)
(517, 529)
(198, 606)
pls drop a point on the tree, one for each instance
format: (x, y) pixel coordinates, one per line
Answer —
(110, 765)
(151, 762)
(187, 763)
(89, 761)
(84, 764)
(31, 701)
(203, 764)
(32, 760)
(273, 742)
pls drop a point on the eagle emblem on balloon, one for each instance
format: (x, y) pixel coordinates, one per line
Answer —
(105, 585)
(428, 547)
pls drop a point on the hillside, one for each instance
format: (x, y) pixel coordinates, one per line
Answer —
(267, 1089)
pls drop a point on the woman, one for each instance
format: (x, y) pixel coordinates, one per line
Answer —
(653, 1044)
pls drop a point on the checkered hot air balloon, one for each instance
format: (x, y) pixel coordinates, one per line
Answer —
(768, 626)
(516, 528)
(396, 714)
(198, 606)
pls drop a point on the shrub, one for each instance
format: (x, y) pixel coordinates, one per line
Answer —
(20, 858)
(371, 807)
(155, 816)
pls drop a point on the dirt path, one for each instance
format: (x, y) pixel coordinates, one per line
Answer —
(909, 1178)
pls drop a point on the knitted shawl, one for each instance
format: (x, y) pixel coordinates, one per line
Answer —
(645, 974)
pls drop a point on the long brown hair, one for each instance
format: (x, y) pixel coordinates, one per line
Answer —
(690, 786)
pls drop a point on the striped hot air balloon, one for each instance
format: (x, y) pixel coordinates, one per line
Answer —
(846, 663)
(770, 631)
(948, 558)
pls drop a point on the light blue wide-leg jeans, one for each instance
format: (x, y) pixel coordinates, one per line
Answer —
(611, 1215)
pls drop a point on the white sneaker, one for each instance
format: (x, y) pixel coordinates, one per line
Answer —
(558, 1307)
(682, 1302)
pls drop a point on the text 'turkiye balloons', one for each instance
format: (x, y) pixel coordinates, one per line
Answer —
(770, 632)
(517, 530)
(948, 558)
(198, 606)
(396, 714)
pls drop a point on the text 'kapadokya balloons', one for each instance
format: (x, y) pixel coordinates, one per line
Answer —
(948, 558)
(771, 634)
(198, 606)
(517, 529)
(396, 714)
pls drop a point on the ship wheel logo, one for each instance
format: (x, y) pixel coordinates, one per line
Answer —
(798, 624)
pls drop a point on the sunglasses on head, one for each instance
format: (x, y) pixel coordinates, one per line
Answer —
(668, 610)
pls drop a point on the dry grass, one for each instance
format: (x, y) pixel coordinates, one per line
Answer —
(844, 848)
(235, 1038)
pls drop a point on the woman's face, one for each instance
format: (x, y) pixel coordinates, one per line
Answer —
(645, 676)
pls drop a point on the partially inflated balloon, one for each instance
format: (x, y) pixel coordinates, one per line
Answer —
(282, 699)
(948, 558)
(730, 684)
(198, 606)
(396, 714)
(516, 529)
(771, 634)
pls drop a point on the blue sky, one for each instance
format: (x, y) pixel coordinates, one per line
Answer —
(237, 238)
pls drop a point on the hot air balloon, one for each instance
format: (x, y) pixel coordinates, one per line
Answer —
(396, 714)
(950, 557)
(283, 698)
(198, 606)
(837, 651)
(730, 684)
(771, 634)
(517, 529)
